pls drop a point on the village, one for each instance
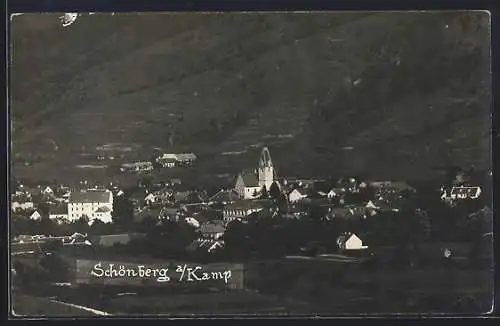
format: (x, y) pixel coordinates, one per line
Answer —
(263, 214)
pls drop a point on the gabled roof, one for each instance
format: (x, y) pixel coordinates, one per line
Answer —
(168, 157)
(59, 210)
(186, 157)
(103, 209)
(90, 196)
(244, 204)
(300, 191)
(212, 227)
(250, 179)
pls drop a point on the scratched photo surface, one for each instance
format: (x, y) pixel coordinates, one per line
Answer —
(250, 164)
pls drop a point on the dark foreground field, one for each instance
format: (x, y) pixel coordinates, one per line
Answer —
(292, 287)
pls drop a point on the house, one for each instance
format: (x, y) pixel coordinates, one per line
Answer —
(250, 184)
(371, 208)
(150, 199)
(247, 185)
(336, 192)
(103, 213)
(145, 166)
(212, 230)
(22, 206)
(465, 192)
(168, 157)
(167, 163)
(371, 205)
(35, 216)
(296, 195)
(94, 204)
(60, 212)
(350, 241)
(240, 210)
(186, 158)
(47, 191)
(192, 221)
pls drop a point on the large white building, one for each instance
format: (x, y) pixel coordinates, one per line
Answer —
(250, 184)
(240, 210)
(94, 204)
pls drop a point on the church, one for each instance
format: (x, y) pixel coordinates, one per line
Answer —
(250, 184)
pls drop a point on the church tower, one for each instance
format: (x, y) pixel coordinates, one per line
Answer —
(266, 169)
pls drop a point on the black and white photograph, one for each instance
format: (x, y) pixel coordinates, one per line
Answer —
(250, 164)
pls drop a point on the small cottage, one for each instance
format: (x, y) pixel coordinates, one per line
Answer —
(350, 241)
(296, 195)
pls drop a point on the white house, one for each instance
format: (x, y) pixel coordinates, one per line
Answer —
(250, 184)
(296, 195)
(138, 166)
(35, 216)
(47, 191)
(350, 241)
(171, 160)
(95, 204)
(150, 198)
(336, 192)
(371, 205)
(17, 206)
(167, 163)
(465, 192)
(192, 221)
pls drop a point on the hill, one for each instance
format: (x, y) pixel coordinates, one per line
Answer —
(387, 94)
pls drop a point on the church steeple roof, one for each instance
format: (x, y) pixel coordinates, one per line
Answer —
(265, 158)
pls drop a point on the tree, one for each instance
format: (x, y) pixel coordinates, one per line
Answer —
(282, 204)
(153, 160)
(123, 211)
(81, 225)
(263, 193)
(274, 191)
(235, 238)
(113, 169)
(147, 224)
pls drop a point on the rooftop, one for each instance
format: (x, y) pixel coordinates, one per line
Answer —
(103, 209)
(250, 179)
(59, 209)
(212, 227)
(244, 204)
(91, 196)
